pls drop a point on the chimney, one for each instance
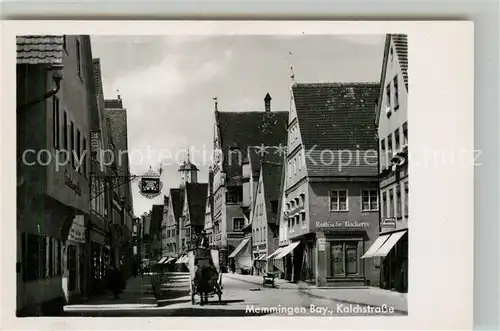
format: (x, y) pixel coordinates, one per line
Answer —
(267, 101)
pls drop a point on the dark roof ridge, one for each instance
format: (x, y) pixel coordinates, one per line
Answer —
(252, 112)
(326, 84)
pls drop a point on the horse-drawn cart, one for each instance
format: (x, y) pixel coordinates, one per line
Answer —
(205, 275)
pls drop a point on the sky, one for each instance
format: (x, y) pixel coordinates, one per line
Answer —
(167, 84)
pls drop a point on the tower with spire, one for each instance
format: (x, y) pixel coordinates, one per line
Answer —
(189, 172)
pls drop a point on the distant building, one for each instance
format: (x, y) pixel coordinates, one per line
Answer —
(193, 215)
(155, 238)
(174, 213)
(392, 123)
(330, 212)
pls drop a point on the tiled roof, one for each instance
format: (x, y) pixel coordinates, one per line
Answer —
(156, 219)
(271, 177)
(177, 196)
(243, 129)
(401, 45)
(337, 120)
(197, 199)
(255, 157)
(40, 49)
(113, 103)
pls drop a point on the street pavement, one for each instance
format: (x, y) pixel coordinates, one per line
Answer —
(239, 298)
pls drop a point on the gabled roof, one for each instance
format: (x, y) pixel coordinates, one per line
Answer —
(242, 129)
(401, 45)
(177, 197)
(271, 179)
(46, 49)
(156, 219)
(336, 120)
(197, 198)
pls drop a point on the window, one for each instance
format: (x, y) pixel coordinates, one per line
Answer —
(299, 160)
(369, 200)
(65, 131)
(294, 166)
(238, 223)
(396, 93)
(391, 204)
(55, 122)
(64, 44)
(78, 58)
(396, 140)
(389, 146)
(338, 200)
(43, 257)
(344, 258)
(290, 169)
(391, 51)
(51, 257)
(78, 150)
(405, 133)
(72, 136)
(303, 216)
(406, 198)
(383, 153)
(398, 202)
(257, 235)
(388, 96)
(384, 204)
(85, 157)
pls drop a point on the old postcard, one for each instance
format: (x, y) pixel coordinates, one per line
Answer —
(262, 173)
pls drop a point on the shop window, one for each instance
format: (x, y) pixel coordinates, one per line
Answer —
(51, 257)
(338, 200)
(72, 267)
(369, 200)
(344, 258)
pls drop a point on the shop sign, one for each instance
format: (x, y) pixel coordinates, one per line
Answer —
(77, 230)
(341, 224)
(388, 223)
(321, 244)
(150, 184)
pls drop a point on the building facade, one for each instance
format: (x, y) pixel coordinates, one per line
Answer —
(392, 123)
(52, 120)
(174, 214)
(234, 132)
(330, 197)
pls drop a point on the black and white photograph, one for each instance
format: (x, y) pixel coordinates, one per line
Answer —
(212, 175)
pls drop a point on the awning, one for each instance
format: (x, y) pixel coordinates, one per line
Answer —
(389, 244)
(170, 259)
(275, 252)
(162, 260)
(182, 259)
(242, 245)
(375, 246)
(287, 250)
(261, 257)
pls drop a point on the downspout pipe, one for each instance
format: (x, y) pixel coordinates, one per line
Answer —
(57, 76)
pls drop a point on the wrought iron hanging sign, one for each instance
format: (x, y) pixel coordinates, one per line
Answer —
(150, 184)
